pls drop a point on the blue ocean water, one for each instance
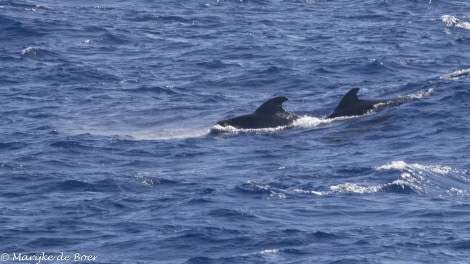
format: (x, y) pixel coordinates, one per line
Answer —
(107, 108)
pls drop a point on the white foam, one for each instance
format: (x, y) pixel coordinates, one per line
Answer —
(233, 130)
(421, 94)
(452, 21)
(458, 192)
(348, 188)
(430, 178)
(464, 25)
(273, 192)
(398, 165)
(311, 122)
(29, 50)
(344, 188)
(423, 179)
(301, 122)
(269, 251)
(354, 188)
(456, 75)
(418, 169)
(296, 190)
(449, 20)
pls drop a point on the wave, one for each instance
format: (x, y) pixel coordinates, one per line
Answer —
(432, 180)
(258, 189)
(42, 54)
(152, 181)
(401, 165)
(351, 188)
(457, 75)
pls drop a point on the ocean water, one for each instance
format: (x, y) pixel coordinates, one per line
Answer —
(106, 155)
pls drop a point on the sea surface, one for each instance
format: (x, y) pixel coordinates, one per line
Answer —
(106, 154)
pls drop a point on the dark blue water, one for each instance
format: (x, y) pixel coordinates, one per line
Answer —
(107, 107)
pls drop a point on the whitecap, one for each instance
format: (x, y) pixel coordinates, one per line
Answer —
(269, 251)
(349, 188)
(273, 192)
(449, 20)
(456, 75)
(414, 178)
(403, 166)
(458, 192)
(452, 21)
(430, 179)
(29, 50)
(297, 190)
(354, 188)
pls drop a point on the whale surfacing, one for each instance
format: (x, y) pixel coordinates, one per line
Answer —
(269, 115)
(351, 105)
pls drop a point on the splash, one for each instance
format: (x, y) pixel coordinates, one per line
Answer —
(218, 129)
(312, 122)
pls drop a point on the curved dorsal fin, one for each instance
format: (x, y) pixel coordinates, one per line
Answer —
(272, 106)
(346, 106)
(349, 98)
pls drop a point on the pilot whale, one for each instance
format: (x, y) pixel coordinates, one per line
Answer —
(269, 115)
(351, 105)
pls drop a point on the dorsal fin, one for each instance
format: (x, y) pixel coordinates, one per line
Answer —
(272, 106)
(349, 98)
(346, 106)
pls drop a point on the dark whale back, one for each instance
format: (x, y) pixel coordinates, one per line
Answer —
(269, 115)
(351, 105)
